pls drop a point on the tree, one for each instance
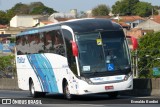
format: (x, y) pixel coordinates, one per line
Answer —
(124, 7)
(3, 19)
(101, 10)
(149, 45)
(40, 8)
(143, 9)
(20, 8)
(34, 8)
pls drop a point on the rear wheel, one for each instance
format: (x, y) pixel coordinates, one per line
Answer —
(67, 92)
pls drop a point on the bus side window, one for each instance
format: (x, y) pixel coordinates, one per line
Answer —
(71, 59)
(40, 43)
(58, 43)
(53, 42)
(19, 45)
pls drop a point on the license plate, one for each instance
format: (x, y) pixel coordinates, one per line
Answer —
(109, 87)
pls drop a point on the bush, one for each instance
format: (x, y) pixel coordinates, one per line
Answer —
(7, 65)
(148, 52)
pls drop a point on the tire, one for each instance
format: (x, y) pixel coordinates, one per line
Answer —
(32, 90)
(33, 93)
(67, 94)
(113, 95)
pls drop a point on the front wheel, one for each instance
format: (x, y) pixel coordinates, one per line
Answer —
(67, 92)
(32, 90)
(113, 95)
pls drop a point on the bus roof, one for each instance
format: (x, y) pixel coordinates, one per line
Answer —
(79, 26)
(90, 25)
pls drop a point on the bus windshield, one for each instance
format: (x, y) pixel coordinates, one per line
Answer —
(103, 52)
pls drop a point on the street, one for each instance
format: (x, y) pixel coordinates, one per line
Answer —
(79, 101)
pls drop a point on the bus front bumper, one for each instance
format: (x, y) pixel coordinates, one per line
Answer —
(85, 88)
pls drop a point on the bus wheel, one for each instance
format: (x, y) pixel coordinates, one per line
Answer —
(32, 90)
(113, 95)
(67, 92)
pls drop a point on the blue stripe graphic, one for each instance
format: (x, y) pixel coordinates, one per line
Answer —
(44, 71)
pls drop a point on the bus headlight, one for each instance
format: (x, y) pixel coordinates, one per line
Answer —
(86, 80)
(127, 76)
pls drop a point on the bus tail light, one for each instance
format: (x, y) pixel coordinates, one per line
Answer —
(134, 43)
(74, 48)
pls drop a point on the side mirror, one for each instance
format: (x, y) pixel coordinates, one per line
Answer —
(134, 43)
(74, 48)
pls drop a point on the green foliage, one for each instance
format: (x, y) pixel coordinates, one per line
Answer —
(148, 52)
(124, 7)
(3, 19)
(42, 10)
(133, 7)
(20, 8)
(143, 9)
(7, 62)
(101, 10)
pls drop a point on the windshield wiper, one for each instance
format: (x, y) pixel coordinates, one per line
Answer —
(95, 72)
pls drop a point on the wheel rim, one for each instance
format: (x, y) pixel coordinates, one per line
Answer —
(68, 95)
(32, 89)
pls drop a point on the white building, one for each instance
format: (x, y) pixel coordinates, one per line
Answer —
(24, 20)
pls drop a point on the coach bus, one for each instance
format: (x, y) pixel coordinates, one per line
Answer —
(76, 57)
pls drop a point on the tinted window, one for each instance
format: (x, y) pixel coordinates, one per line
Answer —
(71, 59)
(46, 42)
(53, 42)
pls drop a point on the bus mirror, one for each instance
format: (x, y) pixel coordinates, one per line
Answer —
(134, 43)
(74, 48)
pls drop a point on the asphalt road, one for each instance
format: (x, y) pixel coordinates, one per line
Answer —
(79, 101)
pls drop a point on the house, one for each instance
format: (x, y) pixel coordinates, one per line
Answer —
(13, 30)
(24, 20)
(132, 21)
(137, 32)
(153, 23)
(6, 38)
(44, 22)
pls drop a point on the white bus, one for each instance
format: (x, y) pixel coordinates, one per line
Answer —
(76, 57)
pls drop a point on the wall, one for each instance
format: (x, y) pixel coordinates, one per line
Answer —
(24, 20)
(10, 84)
(149, 25)
(144, 87)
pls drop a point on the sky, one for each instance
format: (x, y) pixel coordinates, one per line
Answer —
(67, 5)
